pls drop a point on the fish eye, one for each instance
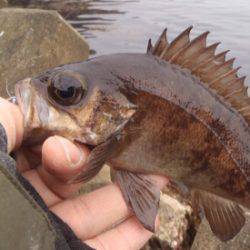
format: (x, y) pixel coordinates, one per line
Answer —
(67, 88)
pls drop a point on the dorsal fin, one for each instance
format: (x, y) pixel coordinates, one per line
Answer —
(161, 44)
(211, 68)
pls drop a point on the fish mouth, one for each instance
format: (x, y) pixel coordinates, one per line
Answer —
(89, 146)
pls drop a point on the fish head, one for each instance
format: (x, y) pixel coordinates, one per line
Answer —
(79, 106)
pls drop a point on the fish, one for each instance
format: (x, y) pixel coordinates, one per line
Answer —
(179, 110)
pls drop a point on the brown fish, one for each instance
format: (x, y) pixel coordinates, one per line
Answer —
(180, 110)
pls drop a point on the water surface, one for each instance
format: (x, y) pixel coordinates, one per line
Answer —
(112, 26)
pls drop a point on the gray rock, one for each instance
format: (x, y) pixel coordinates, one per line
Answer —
(32, 41)
(3, 3)
(67, 8)
(175, 221)
(206, 240)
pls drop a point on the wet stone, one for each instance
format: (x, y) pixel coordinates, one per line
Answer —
(175, 224)
(67, 8)
(32, 41)
(3, 3)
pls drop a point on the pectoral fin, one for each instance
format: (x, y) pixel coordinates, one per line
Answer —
(141, 195)
(97, 158)
(225, 217)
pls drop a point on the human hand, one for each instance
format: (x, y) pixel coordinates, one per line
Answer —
(49, 166)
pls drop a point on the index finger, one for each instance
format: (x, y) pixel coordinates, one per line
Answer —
(12, 120)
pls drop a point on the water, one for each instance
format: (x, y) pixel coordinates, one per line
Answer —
(112, 26)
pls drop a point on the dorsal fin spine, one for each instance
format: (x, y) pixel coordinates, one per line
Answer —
(202, 65)
(245, 111)
(217, 66)
(161, 43)
(192, 44)
(201, 56)
(173, 46)
(218, 70)
(229, 73)
(228, 63)
(235, 92)
(150, 46)
(234, 85)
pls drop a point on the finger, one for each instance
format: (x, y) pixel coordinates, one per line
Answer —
(128, 235)
(49, 197)
(62, 158)
(104, 206)
(61, 189)
(12, 120)
(90, 214)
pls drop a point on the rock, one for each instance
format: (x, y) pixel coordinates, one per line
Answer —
(67, 8)
(174, 217)
(3, 3)
(176, 222)
(206, 240)
(32, 41)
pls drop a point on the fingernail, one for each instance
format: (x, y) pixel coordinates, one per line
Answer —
(74, 155)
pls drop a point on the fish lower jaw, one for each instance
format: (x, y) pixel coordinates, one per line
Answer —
(23, 93)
